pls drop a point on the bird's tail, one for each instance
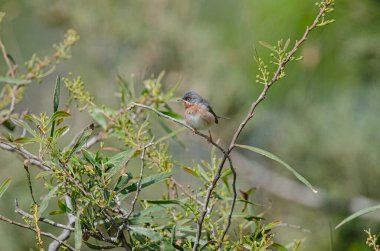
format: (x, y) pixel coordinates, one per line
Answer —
(220, 117)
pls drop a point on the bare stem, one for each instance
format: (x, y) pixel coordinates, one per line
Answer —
(2, 218)
(54, 246)
(139, 186)
(249, 116)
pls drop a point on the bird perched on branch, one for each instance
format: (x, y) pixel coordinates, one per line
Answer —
(198, 112)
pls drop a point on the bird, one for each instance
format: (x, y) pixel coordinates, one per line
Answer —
(198, 113)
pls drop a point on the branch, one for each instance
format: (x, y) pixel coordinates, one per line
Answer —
(54, 246)
(216, 178)
(5, 56)
(32, 159)
(250, 114)
(42, 219)
(139, 181)
(33, 229)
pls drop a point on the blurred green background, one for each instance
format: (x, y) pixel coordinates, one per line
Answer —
(323, 118)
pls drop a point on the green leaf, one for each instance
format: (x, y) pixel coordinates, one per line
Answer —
(122, 181)
(253, 218)
(189, 170)
(267, 45)
(25, 126)
(14, 81)
(98, 116)
(26, 140)
(90, 158)
(119, 161)
(170, 135)
(163, 202)
(275, 158)
(82, 139)
(57, 92)
(97, 247)
(64, 208)
(146, 182)
(61, 131)
(272, 225)
(43, 174)
(286, 44)
(46, 200)
(56, 212)
(9, 125)
(78, 232)
(358, 214)
(168, 131)
(279, 247)
(5, 185)
(56, 115)
(152, 235)
(127, 89)
(172, 114)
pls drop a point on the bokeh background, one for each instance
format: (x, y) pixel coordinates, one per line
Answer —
(323, 118)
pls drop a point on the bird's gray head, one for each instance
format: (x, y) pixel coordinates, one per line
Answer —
(192, 97)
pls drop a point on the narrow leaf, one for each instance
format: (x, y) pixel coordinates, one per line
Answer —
(163, 202)
(275, 158)
(98, 116)
(58, 114)
(279, 247)
(358, 214)
(267, 45)
(98, 247)
(25, 140)
(82, 139)
(152, 235)
(46, 200)
(57, 92)
(122, 181)
(119, 161)
(43, 174)
(172, 114)
(286, 44)
(190, 171)
(170, 135)
(146, 182)
(4, 186)
(25, 126)
(14, 81)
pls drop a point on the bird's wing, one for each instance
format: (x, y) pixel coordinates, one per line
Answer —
(212, 112)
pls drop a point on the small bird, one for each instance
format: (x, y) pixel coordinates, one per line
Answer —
(198, 112)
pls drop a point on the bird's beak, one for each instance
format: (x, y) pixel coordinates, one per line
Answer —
(180, 99)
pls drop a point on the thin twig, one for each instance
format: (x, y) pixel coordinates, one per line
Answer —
(5, 56)
(32, 159)
(5, 219)
(42, 219)
(250, 114)
(54, 246)
(139, 185)
(184, 190)
(138, 190)
(216, 177)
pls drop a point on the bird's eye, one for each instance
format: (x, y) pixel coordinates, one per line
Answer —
(187, 98)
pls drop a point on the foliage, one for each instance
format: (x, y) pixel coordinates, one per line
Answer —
(89, 182)
(372, 240)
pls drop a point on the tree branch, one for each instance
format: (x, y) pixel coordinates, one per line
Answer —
(54, 246)
(32, 159)
(33, 229)
(250, 114)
